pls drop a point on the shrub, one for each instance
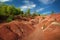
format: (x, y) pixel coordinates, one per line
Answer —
(10, 18)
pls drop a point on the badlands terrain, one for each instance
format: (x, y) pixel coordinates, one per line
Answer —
(39, 28)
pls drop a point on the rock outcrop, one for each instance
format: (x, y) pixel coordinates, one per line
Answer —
(39, 28)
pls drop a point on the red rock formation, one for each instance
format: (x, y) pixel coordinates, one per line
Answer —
(32, 29)
(16, 30)
(52, 32)
(7, 34)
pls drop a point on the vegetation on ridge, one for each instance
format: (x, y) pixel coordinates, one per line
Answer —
(7, 13)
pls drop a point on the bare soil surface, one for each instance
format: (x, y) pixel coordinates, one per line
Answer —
(39, 28)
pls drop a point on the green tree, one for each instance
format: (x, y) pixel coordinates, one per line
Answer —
(9, 19)
(28, 12)
(35, 14)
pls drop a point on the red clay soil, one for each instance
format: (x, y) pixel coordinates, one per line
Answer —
(14, 28)
(39, 28)
(52, 32)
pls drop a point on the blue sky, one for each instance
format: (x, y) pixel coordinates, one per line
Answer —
(40, 6)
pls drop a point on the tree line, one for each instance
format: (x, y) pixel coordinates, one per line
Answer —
(7, 12)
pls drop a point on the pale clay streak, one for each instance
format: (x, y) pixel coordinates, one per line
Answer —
(54, 23)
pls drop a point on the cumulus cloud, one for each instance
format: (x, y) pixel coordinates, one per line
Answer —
(47, 1)
(28, 4)
(41, 9)
(4, 0)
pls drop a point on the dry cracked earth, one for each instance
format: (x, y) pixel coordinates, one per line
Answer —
(39, 28)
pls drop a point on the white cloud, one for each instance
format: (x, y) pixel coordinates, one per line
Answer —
(31, 6)
(4, 0)
(47, 1)
(28, 4)
(41, 9)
